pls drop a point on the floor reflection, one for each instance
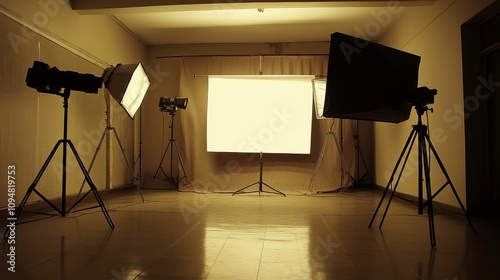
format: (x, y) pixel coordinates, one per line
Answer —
(173, 235)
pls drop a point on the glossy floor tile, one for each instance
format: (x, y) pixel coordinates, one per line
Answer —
(184, 235)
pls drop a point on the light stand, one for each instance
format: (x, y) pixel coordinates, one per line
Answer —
(420, 131)
(65, 142)
(171, 144)
(260, 182)
(104, 133)
(344, 168)
(359, 155)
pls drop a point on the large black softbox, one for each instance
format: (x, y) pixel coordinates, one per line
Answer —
(369, 81)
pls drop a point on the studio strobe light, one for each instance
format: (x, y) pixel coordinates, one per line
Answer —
(168, 104)
(48, 79)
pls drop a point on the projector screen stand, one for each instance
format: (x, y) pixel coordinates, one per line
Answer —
(260, 182)
(420, 132)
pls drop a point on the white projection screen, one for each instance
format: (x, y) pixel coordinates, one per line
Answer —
(260, 113)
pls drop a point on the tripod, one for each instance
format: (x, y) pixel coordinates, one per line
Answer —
(104, 133)
(344, 169)
(65, 143)
(260, 182)
(420, 131)
(171, 144)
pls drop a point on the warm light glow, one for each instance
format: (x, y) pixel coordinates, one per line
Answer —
(128, 85)
(138, 86)
(269, 114)
(319, 96)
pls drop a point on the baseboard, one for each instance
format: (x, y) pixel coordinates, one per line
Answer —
(444, 207)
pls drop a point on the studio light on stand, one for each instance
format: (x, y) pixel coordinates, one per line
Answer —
(53, 81)
(170, 105)
(369, 81)
(128, 84)
(319, 88)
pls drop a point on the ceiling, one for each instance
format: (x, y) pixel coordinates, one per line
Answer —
(163, 22)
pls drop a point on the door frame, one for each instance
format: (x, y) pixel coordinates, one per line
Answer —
(477, 157)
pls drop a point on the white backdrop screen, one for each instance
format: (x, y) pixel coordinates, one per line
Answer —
(319, 90)
(265, 113)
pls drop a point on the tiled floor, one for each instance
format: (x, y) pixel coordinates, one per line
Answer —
(179, 235)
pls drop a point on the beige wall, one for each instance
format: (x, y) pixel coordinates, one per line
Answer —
(434, 34)
(31, 123)
(97, 35)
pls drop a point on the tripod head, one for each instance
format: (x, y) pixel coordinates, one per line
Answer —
(421, 109)
(171, 110)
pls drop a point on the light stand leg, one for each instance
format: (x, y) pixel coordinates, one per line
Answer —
(32, 187)
(160, 168)
(359, 154)
(342, 161)
(448, 182)
(93, 188)
(260, 182)
(136, 181)
(406, 150)
(172, 144)
(344, 168)
(420, 130)
(106, 131)
(428, 190)
(318, 162)
(182, 165)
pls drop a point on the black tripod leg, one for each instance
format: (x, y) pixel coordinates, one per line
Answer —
(443, 169)
(430, 210)
(397, 181)
(275, 190)
(93, 159)
(182, 164)
(161, 162)
(260, 182)
(241, 191)
(92, 186)
(126, 161)
(34, 184)
(411, 138)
